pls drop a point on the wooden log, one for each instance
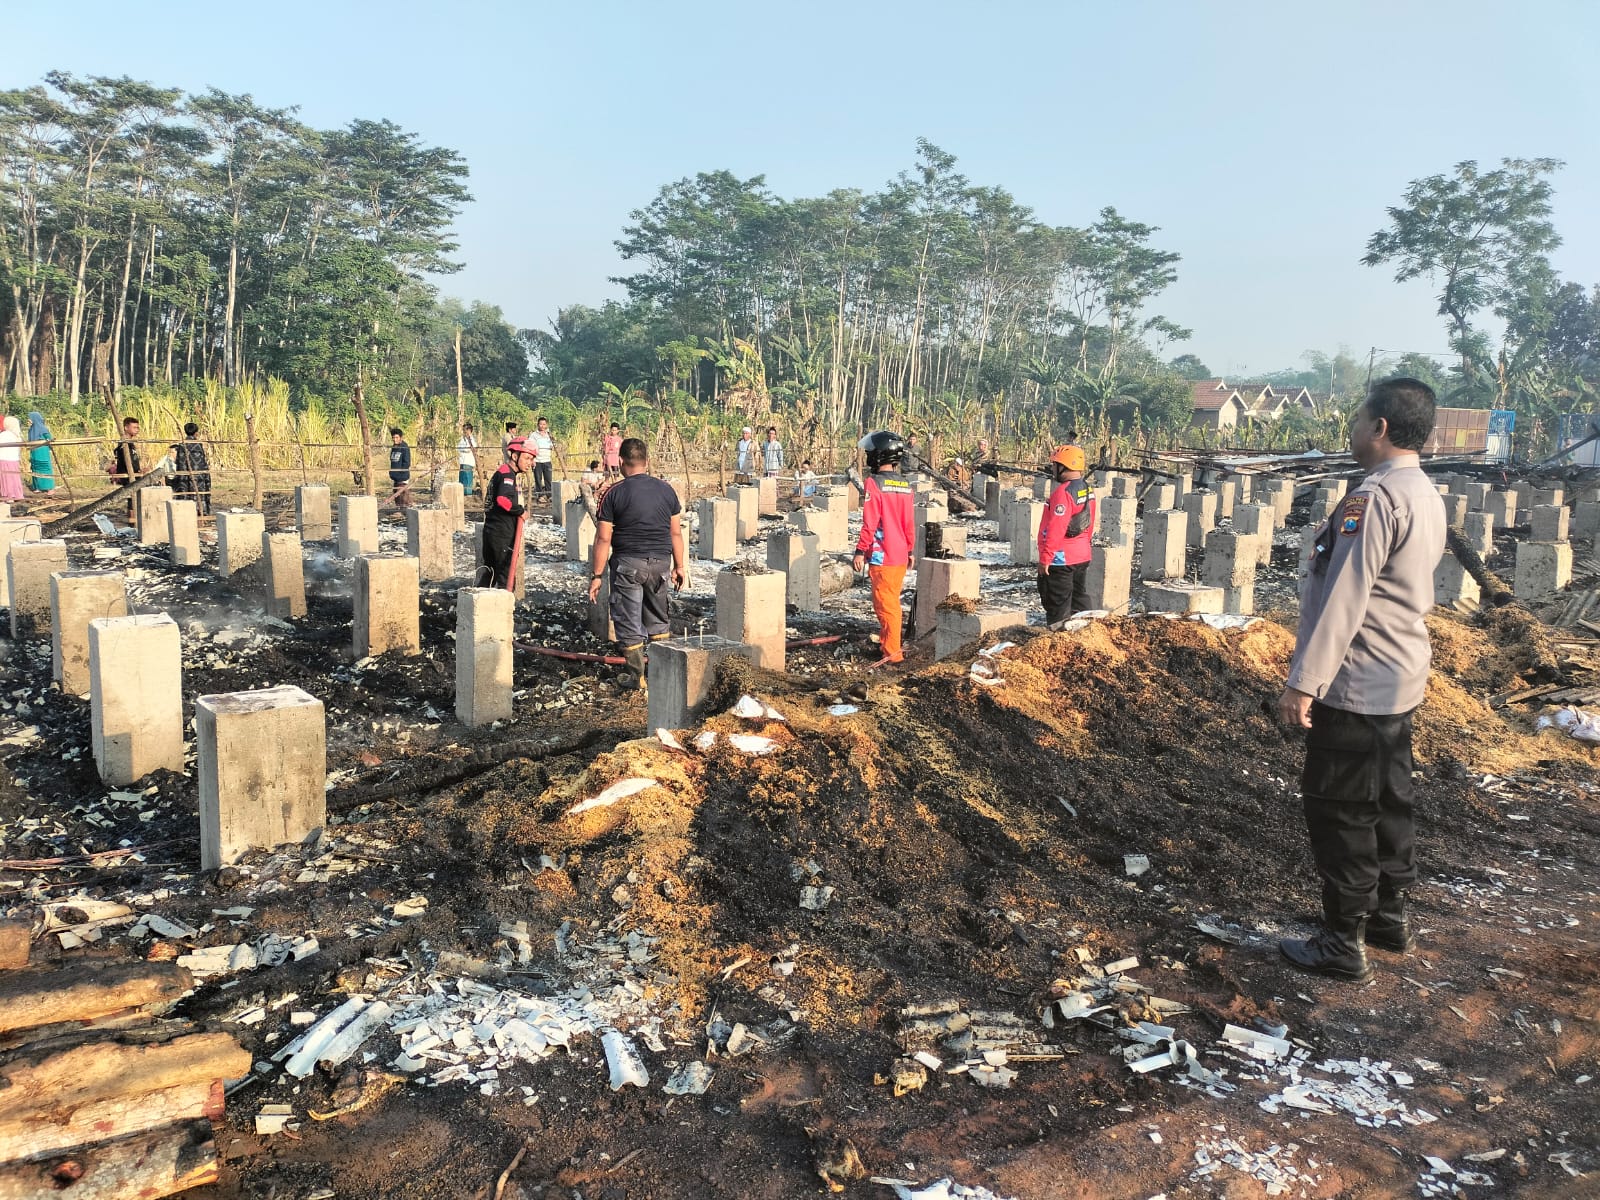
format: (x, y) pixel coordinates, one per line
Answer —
(42, 1085)
(160, 1162)
(87, 993)
(55, 1131)
(14, 937)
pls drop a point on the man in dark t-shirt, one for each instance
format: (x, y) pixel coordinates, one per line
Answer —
(640, 537)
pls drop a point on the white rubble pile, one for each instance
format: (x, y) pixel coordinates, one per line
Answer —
(1273, 1167)
(943, 1037)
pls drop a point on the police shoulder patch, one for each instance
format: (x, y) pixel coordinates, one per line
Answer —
(1355, 508)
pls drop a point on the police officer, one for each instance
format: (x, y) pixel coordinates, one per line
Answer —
(1359, 670)
(1065, 532)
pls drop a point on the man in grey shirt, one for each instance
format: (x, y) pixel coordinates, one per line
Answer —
(1360, 669)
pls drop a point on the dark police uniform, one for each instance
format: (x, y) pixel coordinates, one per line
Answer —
(1362, 653)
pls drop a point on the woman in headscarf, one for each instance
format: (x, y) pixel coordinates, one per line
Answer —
(39, 460)
(11, 460)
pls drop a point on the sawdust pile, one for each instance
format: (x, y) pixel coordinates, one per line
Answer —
(972, 832)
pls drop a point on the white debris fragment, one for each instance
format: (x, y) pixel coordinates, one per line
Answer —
(304, 1051)
(349, 1039)
(749, 708)
(623, 1061)
(690, 1079)
(705, 739)
(273, 1118)
(620, 790)
(932, 1061)
(1121, 965)
(751, 743)
(1134, 865)
(669, 739)
(415, 906)
(815, 899)
(842, 710)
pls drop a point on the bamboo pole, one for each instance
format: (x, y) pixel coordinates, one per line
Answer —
(366, 441)
(255, 460)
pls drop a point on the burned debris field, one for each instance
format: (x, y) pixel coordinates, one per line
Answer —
(1000, 924)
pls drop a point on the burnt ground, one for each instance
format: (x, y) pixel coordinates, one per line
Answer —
(974, 836)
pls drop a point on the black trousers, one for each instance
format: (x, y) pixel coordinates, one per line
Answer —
(1359, 802)
(499, 542)
(639, 598)
(1064, 591)
(541, 478)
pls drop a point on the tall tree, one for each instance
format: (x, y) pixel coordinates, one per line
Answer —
(1483, 236)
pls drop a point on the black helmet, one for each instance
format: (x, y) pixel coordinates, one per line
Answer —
(885, 447)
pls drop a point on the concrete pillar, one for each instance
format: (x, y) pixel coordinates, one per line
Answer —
(750, 609)
(150, 514)
(1161, 498)
(1124, 487)
(562, 493)
(135, 696)
(1183, 598)
(1338, 486)
(1256, 522)
(1544, 569)
(238, 540)
(183, 533)
(286, 575)
(1227, 497)
(1323, 505)
(358, 526)
(262, 763)
(387, 605)
(430, 539)
(1477, 495)
(767, 496)
(484, 634)
(1452, 583)
(957, 630)
(1586, 520)
(1025, 518)
(836, 503)
(1201, 508)
(1550, 522)
(1502, 506)
(454, 498)
(1478, 530)
(1247, 490)
(682, 671)
(794, 552)
(1455, 511)
(1308, 549)
(76, 598)
(313, 513)
(1165, 535)
(1551, 495)
(746, 498)
(946, 539)
(1110, 578)
(937, 505)
(1280, 494)
(580, 532)
(719, 529)
(937, 580)
(1183, 484)
(1117, 518)
(1042, 487)
(14, 529)
(31, 565)
(1230, 564)
(992, 492)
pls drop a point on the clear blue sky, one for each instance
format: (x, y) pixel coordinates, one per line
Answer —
(1265, 139)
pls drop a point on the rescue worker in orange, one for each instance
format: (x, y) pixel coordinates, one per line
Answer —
(1065, 532)
(884, 547)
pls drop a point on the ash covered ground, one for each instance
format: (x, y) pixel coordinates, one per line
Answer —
(777, 936)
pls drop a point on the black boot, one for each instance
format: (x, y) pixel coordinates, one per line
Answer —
(1336, 949)
(1389, 928)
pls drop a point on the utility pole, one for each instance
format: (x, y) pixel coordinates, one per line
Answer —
(1371, 355)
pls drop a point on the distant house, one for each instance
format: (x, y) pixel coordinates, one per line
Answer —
(1216, 405)
(1266, 402)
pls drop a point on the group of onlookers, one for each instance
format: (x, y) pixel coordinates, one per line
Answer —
(41, 466)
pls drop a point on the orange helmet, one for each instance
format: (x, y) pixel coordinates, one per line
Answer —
(1070, 457)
